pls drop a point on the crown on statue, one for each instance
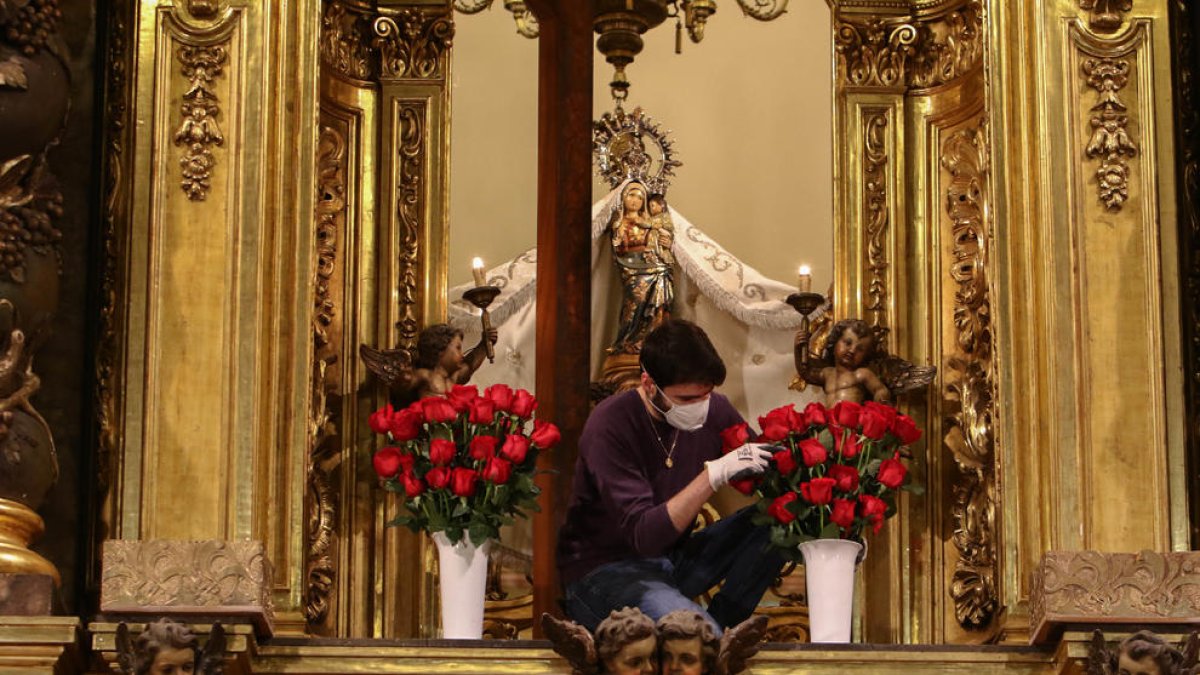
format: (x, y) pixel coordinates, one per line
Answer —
(631, 145)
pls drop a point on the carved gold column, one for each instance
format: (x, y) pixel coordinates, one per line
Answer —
(205, 320)
(908, 78)
(382, 195)
(1090, 382)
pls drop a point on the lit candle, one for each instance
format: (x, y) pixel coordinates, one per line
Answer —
(477, 270)
(805, 279)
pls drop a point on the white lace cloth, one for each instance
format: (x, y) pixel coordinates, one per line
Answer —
(744, 313)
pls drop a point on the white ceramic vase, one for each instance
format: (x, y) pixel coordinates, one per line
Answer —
(829, 566)
(462, 569)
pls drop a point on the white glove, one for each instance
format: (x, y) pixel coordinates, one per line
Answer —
(750, 458)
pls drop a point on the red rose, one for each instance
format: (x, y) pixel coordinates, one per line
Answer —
(462, 481)
(387, 462)
(874, 423)
(437, 409)
(442, 451)
(778, 508)
(501, 395)
(816, 414)
(497, 470)
(813, 452)
(846, 413)
(886, 411)
(523, 404)
(892, 473)
(483, 447)
(735, 437)
(784, 461)
(545, 434)
(438, 477)
(413, 487)
(906, 430)
(483, 411)
(843, 513)
(745, 485)
(873, 509)
(378, 421)
(849, 444)
(514, 448)
(774, 429)
(460, 396)
(846, 477)
(818, 491)
(405, 425)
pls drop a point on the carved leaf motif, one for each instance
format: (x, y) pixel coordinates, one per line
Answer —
(12, 75)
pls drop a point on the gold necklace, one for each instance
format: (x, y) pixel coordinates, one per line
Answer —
(674, 439)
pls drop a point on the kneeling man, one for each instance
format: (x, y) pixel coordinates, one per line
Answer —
(649, 459)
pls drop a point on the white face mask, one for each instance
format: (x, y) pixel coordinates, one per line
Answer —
(684, 416)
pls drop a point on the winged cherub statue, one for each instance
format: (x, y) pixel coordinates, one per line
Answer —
(629, 643)
(168, 647)
(1143, 653)
(437, 365)
(856, 367)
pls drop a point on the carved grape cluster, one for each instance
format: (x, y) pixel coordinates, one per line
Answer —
(28, 227)
(32, 25)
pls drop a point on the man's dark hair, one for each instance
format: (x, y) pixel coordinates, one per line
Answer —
(432, 342)
(679, 352)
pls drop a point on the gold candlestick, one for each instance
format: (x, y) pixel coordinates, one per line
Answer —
(806, 303)
(482, 297)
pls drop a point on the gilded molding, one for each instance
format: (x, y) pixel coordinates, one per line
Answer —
(908, 52)
(1188, 157)
(1116, 588)
(970, 373)
(1106, 15)
(410, 207)
(346, 41)
(107, 347)
(321, 505)
(414, 43)
(198, 129)
(202, 9)
(1110, 141)
(875, 208)
(160, 576)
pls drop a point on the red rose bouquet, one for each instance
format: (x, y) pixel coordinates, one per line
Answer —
(463, 463)
(835, 474)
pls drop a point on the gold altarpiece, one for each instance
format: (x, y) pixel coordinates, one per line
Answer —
(276, 187)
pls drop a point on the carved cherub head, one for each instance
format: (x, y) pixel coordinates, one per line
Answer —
(626, 643)
(851, 344)
(165, 647)
(440, 344)
(687, 644)
(1145, 653)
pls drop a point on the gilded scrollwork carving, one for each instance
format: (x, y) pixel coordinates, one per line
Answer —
(414, 43)
(1105, 15)
(198, 129)
(908, 52)
(1110, 141)
(321, 504)
(970, 372)
(346, 41)
(156, 574)
(875, 210)
(410, 198)
(1127, 588)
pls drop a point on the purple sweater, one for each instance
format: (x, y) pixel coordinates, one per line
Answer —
(619, 495)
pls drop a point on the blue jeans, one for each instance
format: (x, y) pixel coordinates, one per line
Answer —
(732, 550)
